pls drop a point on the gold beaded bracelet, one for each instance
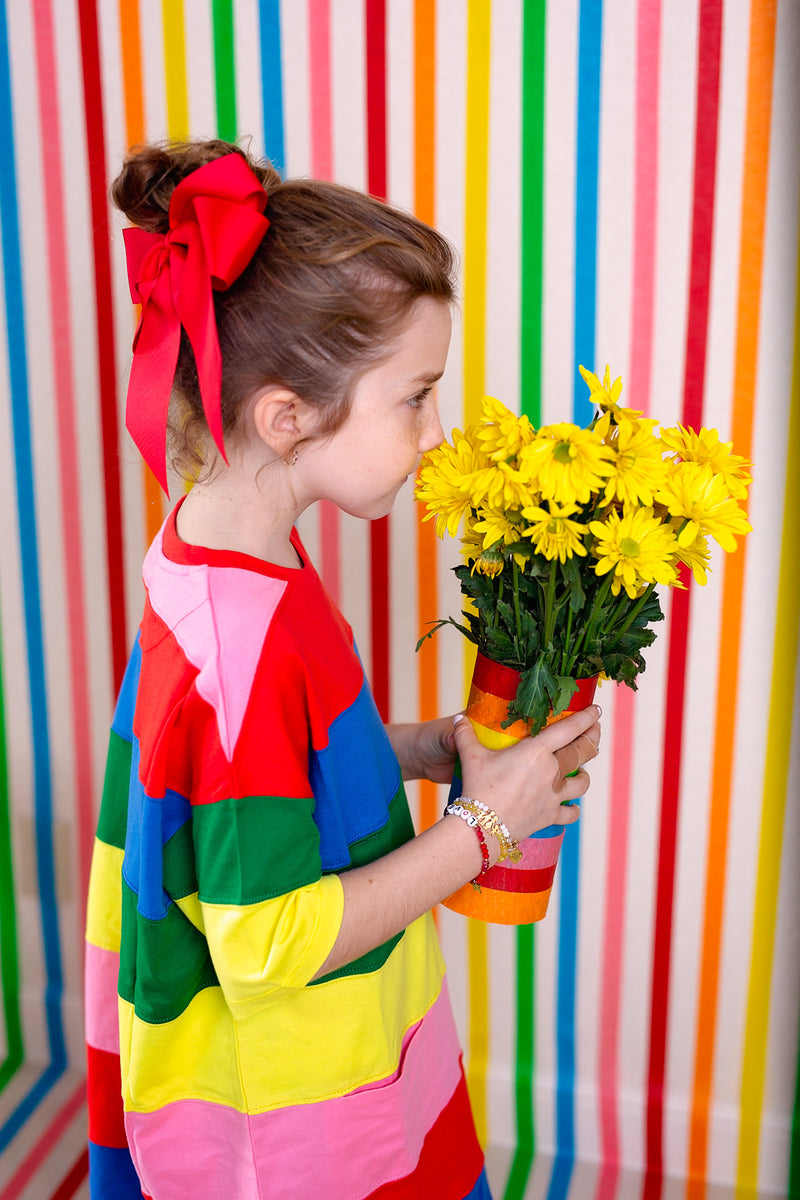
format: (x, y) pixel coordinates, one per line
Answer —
(489, 821)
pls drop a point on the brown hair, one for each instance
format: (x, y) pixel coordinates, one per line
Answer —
(319, 303)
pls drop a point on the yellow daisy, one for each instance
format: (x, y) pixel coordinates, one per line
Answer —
(693, 492)
(639, 467)
(567, 464)
(553, 533)
(637, 547)
(446, 481)
(706, 448)
(696, 556)
(501, 433)
(606, 394)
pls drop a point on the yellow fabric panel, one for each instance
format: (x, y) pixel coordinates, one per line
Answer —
(104, 906)
(286, 1052)
(257, 949)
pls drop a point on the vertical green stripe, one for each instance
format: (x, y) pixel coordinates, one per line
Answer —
(794, 1161)
(532, 232)
(523, 1085)
(531, 237)
(224, 70)
(9, 966)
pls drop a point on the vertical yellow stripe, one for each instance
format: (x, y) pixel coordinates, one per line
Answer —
(476, 203)
(784, 667)
(475, 237)
(175, 69)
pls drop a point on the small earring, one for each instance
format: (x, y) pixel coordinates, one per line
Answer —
(290, 461)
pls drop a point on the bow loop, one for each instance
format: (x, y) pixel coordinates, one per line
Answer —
(216, 223)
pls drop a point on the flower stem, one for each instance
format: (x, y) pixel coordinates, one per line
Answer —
(517, 621)
(589, 628)
(637, 608)
(549, 605)
(567, 637)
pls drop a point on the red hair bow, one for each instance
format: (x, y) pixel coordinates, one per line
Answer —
(216, 222)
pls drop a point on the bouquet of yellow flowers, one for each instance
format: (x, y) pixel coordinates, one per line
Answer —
(568, 531)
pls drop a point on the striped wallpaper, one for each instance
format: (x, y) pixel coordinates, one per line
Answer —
(622, 180)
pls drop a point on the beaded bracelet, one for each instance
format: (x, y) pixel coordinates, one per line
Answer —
(488, 819)
(456, 810)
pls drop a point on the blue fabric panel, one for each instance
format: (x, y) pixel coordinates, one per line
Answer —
(112, 1175)
(353, 779)
(151, 823)
(122, 723)
(481, 1190)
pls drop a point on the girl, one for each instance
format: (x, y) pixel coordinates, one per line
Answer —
(264, 982)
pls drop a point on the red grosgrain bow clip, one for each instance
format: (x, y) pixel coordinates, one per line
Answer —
(216, 222)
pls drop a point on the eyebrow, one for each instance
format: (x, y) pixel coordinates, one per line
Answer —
(428, 378)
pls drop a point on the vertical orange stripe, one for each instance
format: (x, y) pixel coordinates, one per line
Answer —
(131, 50)
(754, 201)
(424, 207)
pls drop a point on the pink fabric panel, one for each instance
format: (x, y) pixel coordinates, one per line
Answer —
(337, 1150)
(229, 608)
(102, 1018)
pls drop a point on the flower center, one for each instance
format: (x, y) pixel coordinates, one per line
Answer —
(563, 452)
(629, 548)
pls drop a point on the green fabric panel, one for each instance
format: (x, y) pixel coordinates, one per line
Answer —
(163, 964)
(114, 806)
(254, 848)
(180, 875)
(373, 961)
(398, 830)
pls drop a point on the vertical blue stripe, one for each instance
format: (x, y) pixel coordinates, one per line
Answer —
(29, 554)
(272, 82)
(586, 189)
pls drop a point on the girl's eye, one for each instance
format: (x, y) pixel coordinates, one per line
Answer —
(418, 400)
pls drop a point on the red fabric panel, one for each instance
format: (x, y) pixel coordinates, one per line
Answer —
(104, 1090)
(451, 1158)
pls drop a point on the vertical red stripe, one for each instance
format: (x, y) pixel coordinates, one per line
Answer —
(74, 1177)
(107, 374)
(375, 13)
(708, 76)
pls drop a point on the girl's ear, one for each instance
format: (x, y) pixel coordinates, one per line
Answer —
(280, 419)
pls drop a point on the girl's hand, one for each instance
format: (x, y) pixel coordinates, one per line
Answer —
(426, 750)
(528, 784)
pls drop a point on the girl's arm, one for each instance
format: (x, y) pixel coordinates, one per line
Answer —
(426, 750)
(525, 784)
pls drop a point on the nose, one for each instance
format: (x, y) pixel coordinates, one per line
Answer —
(432, 434)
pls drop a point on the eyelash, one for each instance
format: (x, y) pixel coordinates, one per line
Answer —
(418, 400)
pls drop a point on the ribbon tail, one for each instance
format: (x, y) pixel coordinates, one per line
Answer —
(149, 388)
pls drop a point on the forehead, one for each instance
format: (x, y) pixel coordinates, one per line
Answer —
(419, 351)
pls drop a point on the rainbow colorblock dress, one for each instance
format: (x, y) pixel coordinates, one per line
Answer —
(248, 767)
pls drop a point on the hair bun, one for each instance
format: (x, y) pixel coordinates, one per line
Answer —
(143, 189)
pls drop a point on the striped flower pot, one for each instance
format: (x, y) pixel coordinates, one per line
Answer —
(514, 893)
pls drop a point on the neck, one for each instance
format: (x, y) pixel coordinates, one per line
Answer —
(245, 510)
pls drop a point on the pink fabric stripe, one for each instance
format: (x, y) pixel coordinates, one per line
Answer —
(44, 1145)
(368, 1135)
(102, 1018)
(61, 340)
(638, 393)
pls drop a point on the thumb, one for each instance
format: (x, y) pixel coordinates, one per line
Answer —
(463, 733)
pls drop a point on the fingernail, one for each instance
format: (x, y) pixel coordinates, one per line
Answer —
(458, 717)
(599, 710)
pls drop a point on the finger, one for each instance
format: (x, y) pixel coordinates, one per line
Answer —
(573, 756)
(566, 729)
(568, 814)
